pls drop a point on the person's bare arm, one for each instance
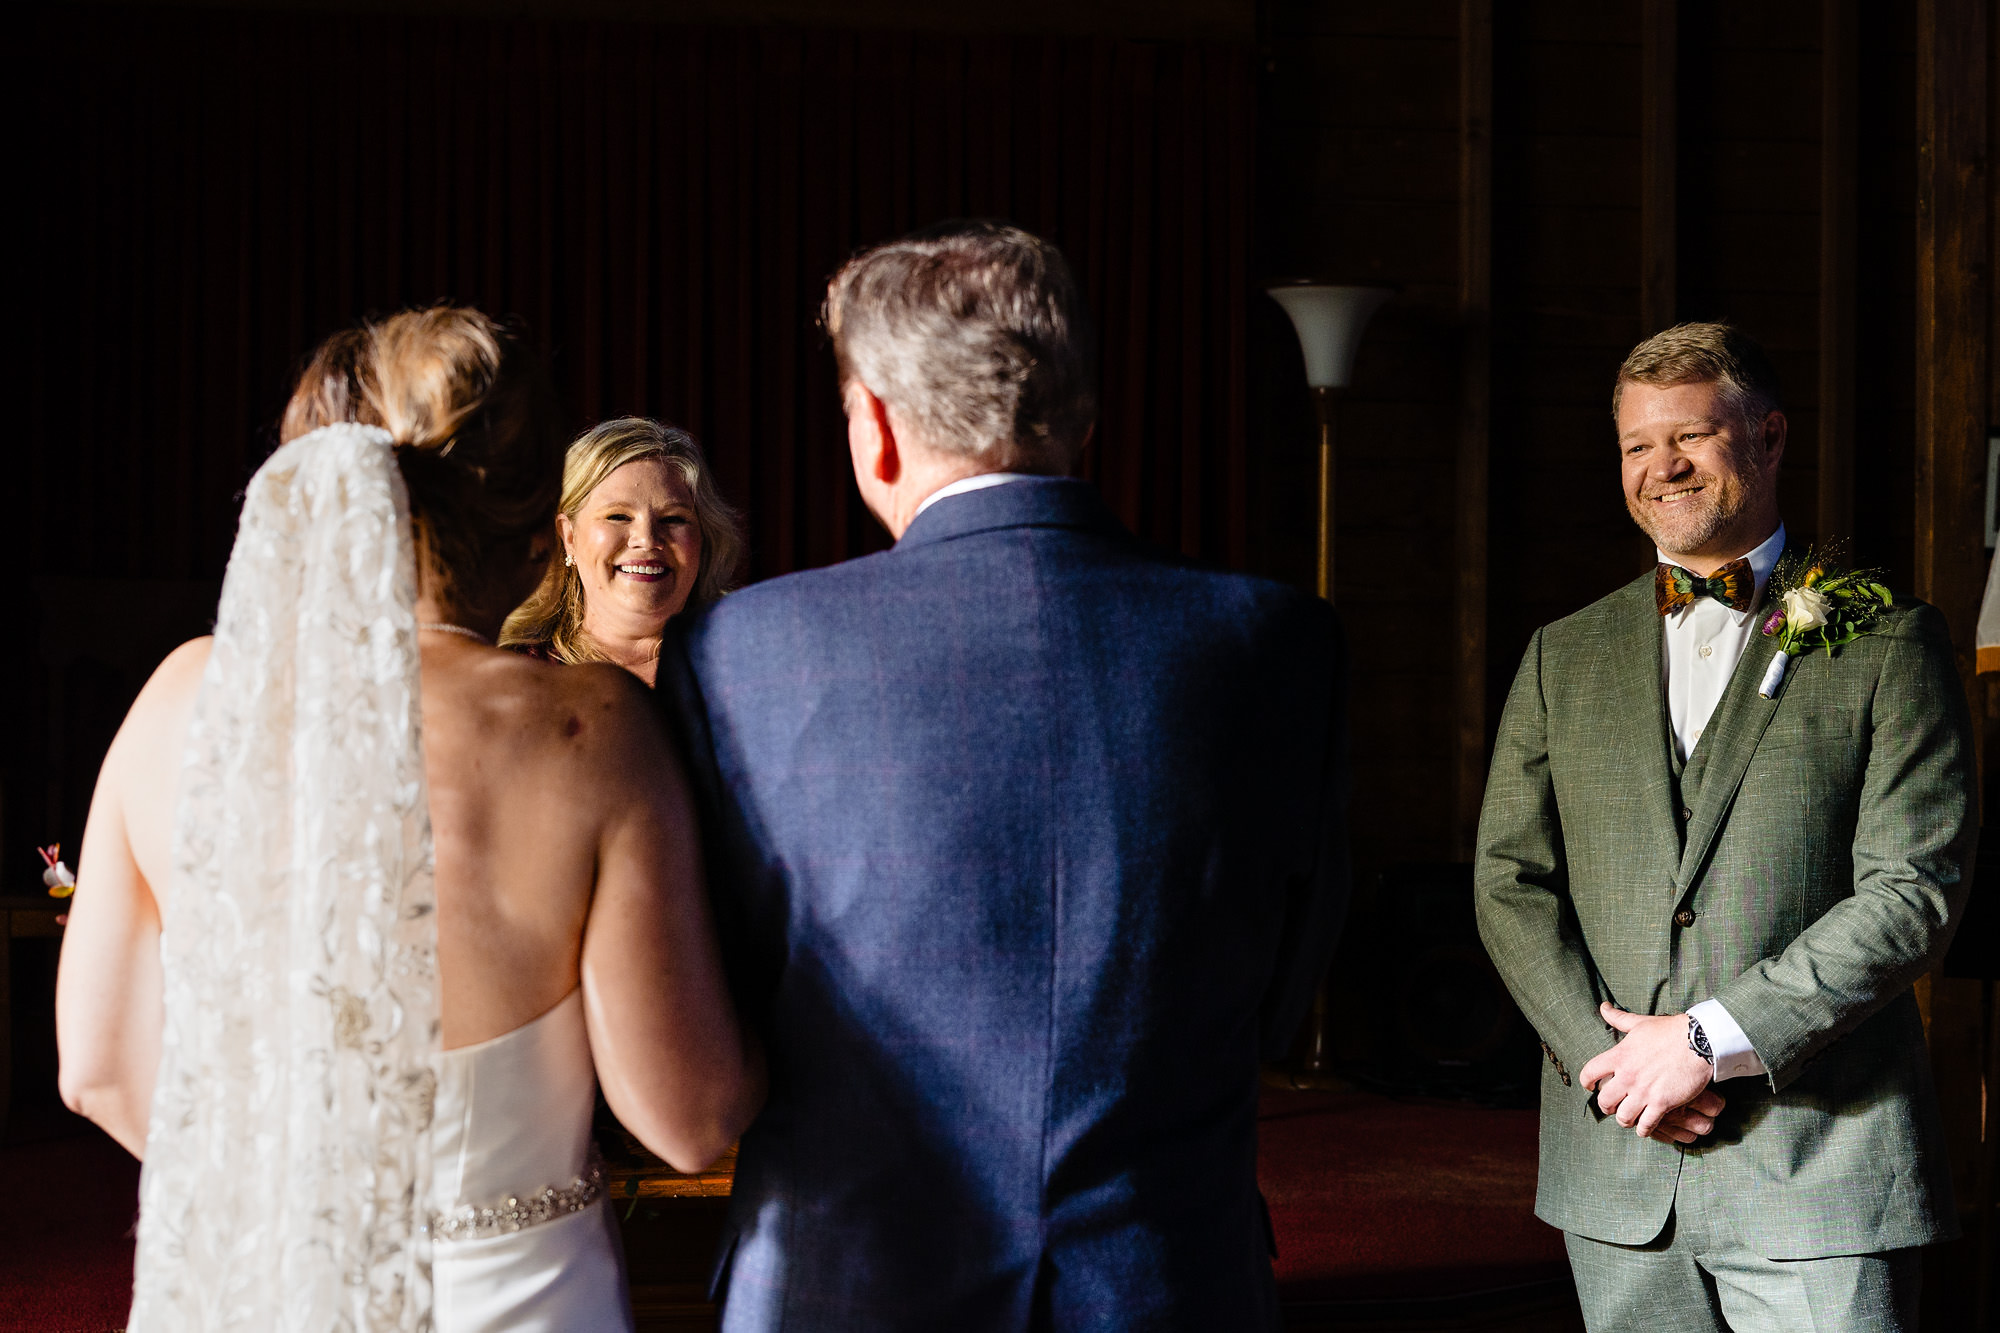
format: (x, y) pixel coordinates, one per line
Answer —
(108, 986)
(677, 1067)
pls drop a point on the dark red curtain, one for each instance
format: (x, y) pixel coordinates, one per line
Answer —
(211, 193)
(206, 194)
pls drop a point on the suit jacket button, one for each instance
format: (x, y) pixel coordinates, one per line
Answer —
(1686, 813)
(1684, 917)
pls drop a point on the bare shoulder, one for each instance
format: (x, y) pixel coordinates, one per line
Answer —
(179, 674)
(159, 716)
(137, 787)
(585, 713)
(598, 739)
(607, 713)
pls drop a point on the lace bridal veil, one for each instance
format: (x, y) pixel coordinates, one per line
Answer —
(288, 1153)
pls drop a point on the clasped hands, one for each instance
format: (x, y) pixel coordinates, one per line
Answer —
(1651, 1082)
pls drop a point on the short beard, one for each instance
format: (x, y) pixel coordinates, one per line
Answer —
(1684, 534)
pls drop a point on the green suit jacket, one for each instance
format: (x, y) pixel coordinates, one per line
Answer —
(1814, 871)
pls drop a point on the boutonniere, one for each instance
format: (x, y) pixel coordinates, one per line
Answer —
(57, 877)
(1820, 605)
(60, 881)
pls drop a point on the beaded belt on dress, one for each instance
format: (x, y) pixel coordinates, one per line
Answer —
(517, 1213)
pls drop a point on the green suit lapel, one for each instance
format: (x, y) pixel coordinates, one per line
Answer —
(1732, 735)
(1638, 695)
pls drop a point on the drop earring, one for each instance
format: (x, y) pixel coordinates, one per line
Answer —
(568, 560)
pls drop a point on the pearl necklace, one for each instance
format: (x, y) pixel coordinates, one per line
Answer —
(443, 628)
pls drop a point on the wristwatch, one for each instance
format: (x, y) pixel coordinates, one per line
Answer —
(1698, 1042)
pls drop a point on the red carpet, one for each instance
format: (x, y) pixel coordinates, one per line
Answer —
(1372, 1199)
(65, 1243)
(1376, 1199)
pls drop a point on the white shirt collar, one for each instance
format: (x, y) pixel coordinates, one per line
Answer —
(965, 485)
(1762, 560)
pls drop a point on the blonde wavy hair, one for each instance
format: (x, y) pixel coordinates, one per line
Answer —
(552, 617)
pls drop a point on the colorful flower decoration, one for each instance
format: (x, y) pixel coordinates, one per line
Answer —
(1819, 605)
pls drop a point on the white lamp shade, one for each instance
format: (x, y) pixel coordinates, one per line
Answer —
(1329, 321)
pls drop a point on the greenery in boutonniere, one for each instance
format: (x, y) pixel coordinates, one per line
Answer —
(1820, 605)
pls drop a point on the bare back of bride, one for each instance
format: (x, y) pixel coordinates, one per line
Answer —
(367, 907)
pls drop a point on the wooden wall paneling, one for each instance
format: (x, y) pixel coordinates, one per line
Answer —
(1885, 333)
(1986, 692)
(1838, 223)
(1953, 231)
(1568, 166)
(1659, 135)
(1952, 318)
(1749, 169)
(1475, 306)
(1569, 261)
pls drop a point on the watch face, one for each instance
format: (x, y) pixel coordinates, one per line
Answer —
(1698, 1040)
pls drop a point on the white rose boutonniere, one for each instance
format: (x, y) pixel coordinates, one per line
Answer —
(1806, 608)
(1819, 606)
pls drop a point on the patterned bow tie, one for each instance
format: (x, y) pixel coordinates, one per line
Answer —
(1733, 585)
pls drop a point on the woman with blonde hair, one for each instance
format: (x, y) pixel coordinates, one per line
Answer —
(642, 534)
(338, 968)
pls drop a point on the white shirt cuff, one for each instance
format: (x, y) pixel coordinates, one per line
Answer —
(1734, 1056)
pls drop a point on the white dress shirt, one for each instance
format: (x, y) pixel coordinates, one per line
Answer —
(1702, 643)
(965, 484)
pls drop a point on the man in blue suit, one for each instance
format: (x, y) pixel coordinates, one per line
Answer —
(1026, 843)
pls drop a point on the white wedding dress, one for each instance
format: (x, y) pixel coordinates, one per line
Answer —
(315, 1162)
(523, 1239)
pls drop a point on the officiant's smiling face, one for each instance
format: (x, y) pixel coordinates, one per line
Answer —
(1701, 479)
(637, 547)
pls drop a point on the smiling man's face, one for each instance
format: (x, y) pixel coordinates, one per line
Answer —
(1699, 480)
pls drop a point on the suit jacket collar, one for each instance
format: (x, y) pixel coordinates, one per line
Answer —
(1038, 502)
(1637, 692)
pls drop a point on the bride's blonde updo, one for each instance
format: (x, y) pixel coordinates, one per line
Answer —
(476, 430)
(329, 387)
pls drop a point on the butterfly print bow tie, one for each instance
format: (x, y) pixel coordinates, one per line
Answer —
(1733, 585)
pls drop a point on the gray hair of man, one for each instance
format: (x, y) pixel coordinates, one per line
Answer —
(1709, 353)
(974, 333)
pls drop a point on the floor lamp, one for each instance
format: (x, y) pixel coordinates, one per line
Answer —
(1329, 321)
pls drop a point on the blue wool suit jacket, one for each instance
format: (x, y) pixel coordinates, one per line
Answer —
(1025, 841)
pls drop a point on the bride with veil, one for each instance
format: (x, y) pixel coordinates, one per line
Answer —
(367, 906)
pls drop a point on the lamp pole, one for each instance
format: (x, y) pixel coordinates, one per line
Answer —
(1329, 320)
(1323, 405)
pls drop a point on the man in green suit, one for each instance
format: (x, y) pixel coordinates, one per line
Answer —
(1712, 905)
